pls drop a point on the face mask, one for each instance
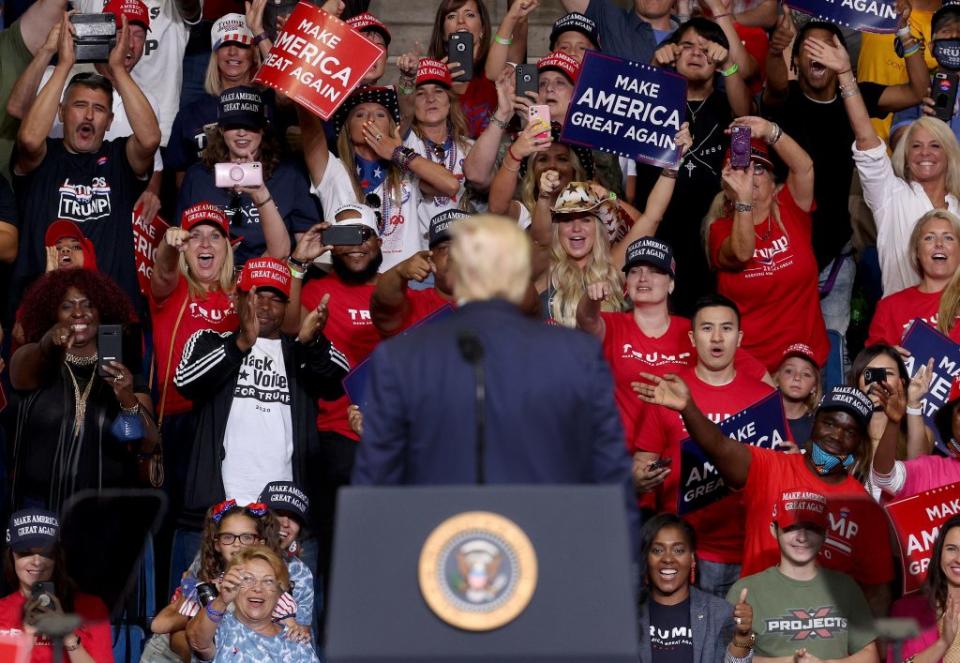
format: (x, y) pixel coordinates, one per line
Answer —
(826, 462)
(947, 53)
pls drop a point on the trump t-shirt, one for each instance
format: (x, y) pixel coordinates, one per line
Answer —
(895, 312)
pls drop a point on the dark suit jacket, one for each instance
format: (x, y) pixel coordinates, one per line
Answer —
(711, 620)
(550, 412)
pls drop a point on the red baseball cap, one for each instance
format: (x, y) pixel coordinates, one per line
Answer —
(134, 10)
(265, 273)
(208, 213)
(801, 350)
(561, 62)
(62, 228)
(433, 71)
(800, 506)
(367, 21)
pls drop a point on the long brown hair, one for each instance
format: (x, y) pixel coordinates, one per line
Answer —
(438, 42)
(211, 563)
(217, 152)
(63, 586)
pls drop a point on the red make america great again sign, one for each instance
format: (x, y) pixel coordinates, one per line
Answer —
(317, 60)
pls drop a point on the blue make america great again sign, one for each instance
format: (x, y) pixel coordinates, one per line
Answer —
(864, 15)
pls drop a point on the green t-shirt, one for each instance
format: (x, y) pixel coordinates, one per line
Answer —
(827, 615)
(14, 58)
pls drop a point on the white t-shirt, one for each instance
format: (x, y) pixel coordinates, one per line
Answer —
(119, 128)
(430, 206)
(160, 70)
(403, 233)
(258, 441)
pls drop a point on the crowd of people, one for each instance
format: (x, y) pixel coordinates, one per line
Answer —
(210, 363)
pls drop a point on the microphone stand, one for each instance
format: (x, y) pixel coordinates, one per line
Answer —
(57, 628)
(472, 352)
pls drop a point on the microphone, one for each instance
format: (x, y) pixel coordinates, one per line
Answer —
(471, 349)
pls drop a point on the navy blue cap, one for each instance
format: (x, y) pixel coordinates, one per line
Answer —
(440, 225)
(650, 251)
(286, 496)
(577, 23)
(241, 106)
(850, 400)
(33, 529)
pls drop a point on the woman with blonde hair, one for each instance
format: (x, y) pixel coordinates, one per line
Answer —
(935, 257)
(758, 235)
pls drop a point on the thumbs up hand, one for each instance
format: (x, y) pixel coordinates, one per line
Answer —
(743, 615)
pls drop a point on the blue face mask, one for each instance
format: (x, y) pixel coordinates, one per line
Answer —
(826, 462)
(947, 53)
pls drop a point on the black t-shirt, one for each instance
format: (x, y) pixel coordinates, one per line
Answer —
(823, 130)
(697, 184)
(8, 204)
(290, 188)
(671, 637)
(97, 192)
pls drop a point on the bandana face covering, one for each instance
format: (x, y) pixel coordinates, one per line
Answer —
(947, 53)
(826, 462)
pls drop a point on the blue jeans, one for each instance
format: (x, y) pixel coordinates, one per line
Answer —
(194, 74)
(186, 545)
(716, 578)
(836, 305)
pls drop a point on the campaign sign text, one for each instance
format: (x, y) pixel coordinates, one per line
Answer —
(146, 239)
(924, 342)
(317, 60)
(627, 108)
(863, 15)
(763, 425)
(916, 521)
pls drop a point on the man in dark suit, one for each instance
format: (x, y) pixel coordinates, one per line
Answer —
(549, 409)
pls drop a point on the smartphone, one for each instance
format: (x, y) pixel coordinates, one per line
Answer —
(343, 235)
(275, 15)
(659, 464)
(41, 589)
(229, 175)
(740, 147)
(528, 79)
(460, 49)
(944, 92)
(94, 36)
(109, 346)
(540, 112)
(874, 375)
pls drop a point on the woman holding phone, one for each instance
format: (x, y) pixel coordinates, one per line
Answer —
(77, 427)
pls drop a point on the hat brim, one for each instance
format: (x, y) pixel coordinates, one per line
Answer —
(837, 407)
(227, 42)
(62, 228)
(555, 35)
(383, 96)
(800, 355)
(553, 67)
(235, 122)
(643, 261)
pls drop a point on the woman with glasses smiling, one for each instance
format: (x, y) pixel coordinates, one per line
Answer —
(758, 235)
(252, 585)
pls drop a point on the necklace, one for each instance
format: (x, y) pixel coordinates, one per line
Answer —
(78, 360)
(766, 234)
(693, 113)
(79, 401)
(447, 150)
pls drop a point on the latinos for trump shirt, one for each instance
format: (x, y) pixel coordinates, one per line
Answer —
(671, 637)
(828, 615)
(94, 190)
(258, 441)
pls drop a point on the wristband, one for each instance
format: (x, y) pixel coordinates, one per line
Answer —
(302, 264)
(261, 204)
(513, 156)
(214, 615)
(912, 50)
(497, 122)
(743, 207)
(295, 272)
(730, 71)
(775, 134)
(904, 32)
(503, 41)
(130, 411)
(668, 173)
(260, 37)
(512, 170)
(916, 411)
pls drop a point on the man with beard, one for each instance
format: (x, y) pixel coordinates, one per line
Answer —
(394, 307)
(810, 110)
(345, 293)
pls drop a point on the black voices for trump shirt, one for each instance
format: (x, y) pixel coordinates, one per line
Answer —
(94, 190)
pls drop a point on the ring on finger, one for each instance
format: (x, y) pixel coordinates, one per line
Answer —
(738, 620)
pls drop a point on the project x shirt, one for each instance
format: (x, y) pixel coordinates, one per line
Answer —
(828, 615)
(719, 526)
(258, 441)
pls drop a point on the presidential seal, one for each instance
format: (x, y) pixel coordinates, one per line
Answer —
(478, 571)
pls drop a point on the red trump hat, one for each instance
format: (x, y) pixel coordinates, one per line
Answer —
(561, 62)
(367, 22)
(433, 71)
(799, 506)
(265, 273)
(134, 10)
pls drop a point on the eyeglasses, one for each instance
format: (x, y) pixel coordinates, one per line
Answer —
(228, 539)
(267, 583)
(759, 168)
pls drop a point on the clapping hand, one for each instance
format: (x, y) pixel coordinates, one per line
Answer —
(314, 322)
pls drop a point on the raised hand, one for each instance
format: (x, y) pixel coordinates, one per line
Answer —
(311, 246)
(599, 291)
(409, 62)
(738, 184)
(666, 55)
(831, 55)
(522, 8)
(784, 33)
(669, 391)
(177, 238)
(231, 584)
(118, 56)
(417, 267)
(314, 322)
(249, 325)
(919, 384)
(66, 55)
(549, 183)
(254, 15)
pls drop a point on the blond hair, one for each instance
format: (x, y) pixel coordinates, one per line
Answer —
(530, 184)
(264, 554)
(942, 133)
(224, 278)
(489, 259)
(569, 280)
(914, 242)
(722, 208)
(211, 81)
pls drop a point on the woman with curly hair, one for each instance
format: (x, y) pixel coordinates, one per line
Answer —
(267, 216)
(77, 427)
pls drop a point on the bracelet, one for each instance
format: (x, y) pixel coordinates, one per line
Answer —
(75, 647)
(263, 36)
(846, 93)
(743, 207)
(503, 41)
(497, 122)
(295, 272)
(512, 170)
(904, 32)
(261, 204)
(730, 71)
(402, 156)
(302, 264)
(718, 16)
(214, 615)
(916, 411)
(130, 411)
(404, 90)
(912, 50)
(776, 134)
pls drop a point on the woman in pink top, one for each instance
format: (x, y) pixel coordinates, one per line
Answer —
(935, 256)
(937, 609)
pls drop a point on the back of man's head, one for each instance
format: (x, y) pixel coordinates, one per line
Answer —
(490, 259)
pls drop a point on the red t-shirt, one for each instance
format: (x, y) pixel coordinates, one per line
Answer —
(719, 526)
(350, 328)
(777, 289)
(894, 312)
(214, 311)
(478, 103)
(858, 542)
(630, 352)
(94, 633)
(422, 303)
